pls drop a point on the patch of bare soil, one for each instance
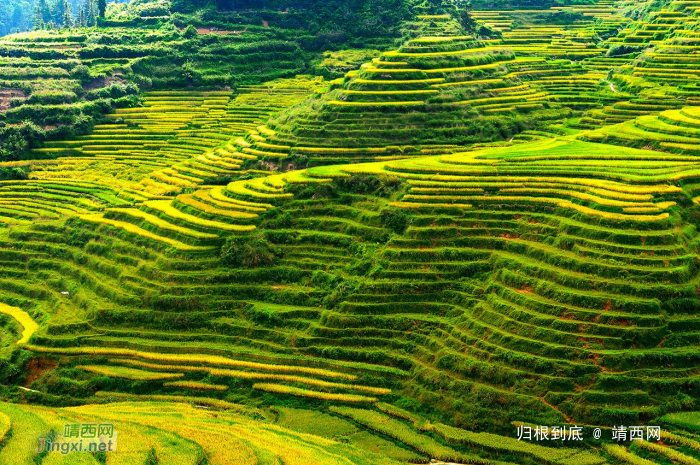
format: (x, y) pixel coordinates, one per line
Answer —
(6, 95)
(104, 81)
(36, 368)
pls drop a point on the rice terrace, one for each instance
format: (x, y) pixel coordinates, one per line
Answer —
(373, 232)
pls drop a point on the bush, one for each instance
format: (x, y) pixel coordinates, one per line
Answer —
(622, 49)
(14, 174)
(151, 9)
(13, 369)
(190, 32)
(248, 251)
(265, 317)
(488, 33)
(17, 140)
(113, 91)
(81, 73)
(566, 17)
(395, 220)
(190, 6)
(466, 20)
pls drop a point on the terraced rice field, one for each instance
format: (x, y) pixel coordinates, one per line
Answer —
(234, 434)
(438, 81)
(375, 270)
(539, 277)
(582, 266)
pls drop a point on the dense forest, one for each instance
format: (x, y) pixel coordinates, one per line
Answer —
(23, 15)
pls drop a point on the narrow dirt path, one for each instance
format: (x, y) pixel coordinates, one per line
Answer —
(566, 417)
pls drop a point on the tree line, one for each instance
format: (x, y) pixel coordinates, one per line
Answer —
(24, 15)
(64, 13)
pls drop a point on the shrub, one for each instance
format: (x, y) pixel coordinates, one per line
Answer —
(622, 49)
(466, 20)
(566, 17)
(81, 73)
(16, 140)
(248, 251)
(488, 32)
(14, 173)
(113, 91)
(151, 9)
(265, 317)
(190, 32)
(395, 220)
(46, 98)
(14, 369)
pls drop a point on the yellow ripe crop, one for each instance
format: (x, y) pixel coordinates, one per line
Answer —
(468, 83)
(673, 454)
(142, 232)
(216, 403)
(622, 454)
(194, 385)
(249, 189)
(563, 203)
(163, 177)
(128, 373)
(206, 360)
(375, 104)
(166, 207)
(389, 92)
(139, 214)
(293, 391)
(398, 81)
(265, 145)
(468, 51)
(5, 425)
(217, 195)
(680, 440)
(298, 379)
(340, 149)
(262, 153)
(28, 324)
(579, 195)
(190, 200)
(417, 205)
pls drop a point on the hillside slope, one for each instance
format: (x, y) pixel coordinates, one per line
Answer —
(464, 236)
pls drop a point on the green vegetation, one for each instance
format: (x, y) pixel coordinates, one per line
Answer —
(352, 232)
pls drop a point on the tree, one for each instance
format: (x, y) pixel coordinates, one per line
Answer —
(190, 32)
(42, 14)
(81, 73)
(465, 17)
(82, 18)
(190, 6)
(17, 22)
(101, 8)
(90, 13)
(67, 19)
(18, 140)
(395, 220)
(38, 21)
(248, 251)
